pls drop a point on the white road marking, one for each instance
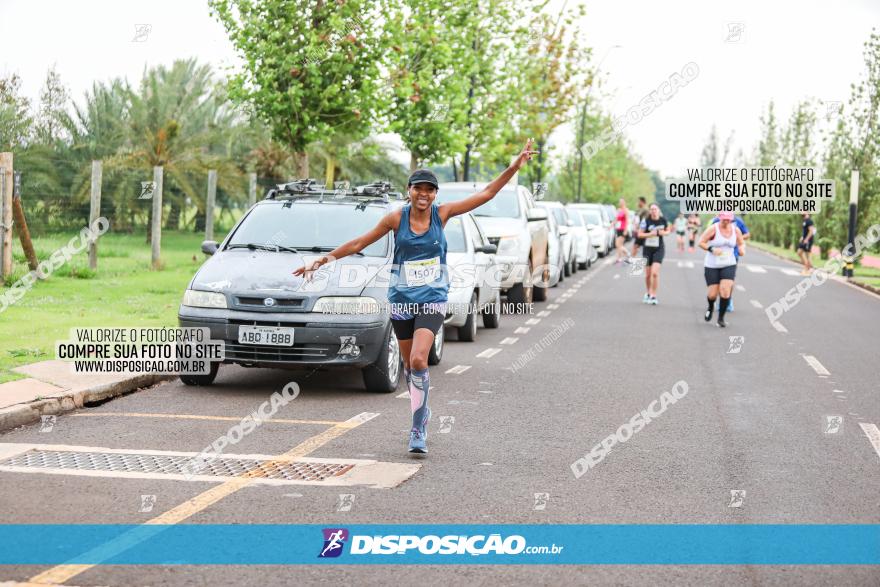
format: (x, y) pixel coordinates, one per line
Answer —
(617, 276)
(873, 434)
(756, 269)
(837, 391)
(816, 365)
(404, 395)
(788, 271)
(522, 330)
(689, 264)
(552, 306)
(756, 303)
(779, 327)
(509, 340)
(679, 264)
(740, 288)
(488, 353)
(533, 321)
(543, 314)
(562, 300)
(458, 369)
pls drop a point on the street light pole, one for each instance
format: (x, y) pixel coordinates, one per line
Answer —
(580, 139)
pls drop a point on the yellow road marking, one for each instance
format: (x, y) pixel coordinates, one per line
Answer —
(200, 417)
(61, 573)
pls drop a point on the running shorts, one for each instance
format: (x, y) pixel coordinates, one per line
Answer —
(715, 275)
(807, 246)
(620, 232)
(406, 318)
(653, 255)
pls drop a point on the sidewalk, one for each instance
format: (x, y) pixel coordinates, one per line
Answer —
(52, 388)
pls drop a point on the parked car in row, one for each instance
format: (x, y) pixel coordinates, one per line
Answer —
(585, 254)
(562, 225)
(518, 228)
(594, 217)
(245, 293)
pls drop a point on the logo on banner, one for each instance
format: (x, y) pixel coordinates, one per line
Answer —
(334, 540)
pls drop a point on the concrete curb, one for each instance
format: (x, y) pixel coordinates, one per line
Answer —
(21, 414)
(852, 282)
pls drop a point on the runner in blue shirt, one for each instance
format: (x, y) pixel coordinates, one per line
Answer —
(419, 283)
(741, 225)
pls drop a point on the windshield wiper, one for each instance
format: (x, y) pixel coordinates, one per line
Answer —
(262, 247)
(318, 249)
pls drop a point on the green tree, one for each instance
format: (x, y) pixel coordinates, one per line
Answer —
(16, 121)
(311, 69)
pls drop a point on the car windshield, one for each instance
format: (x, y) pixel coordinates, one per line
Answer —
(305, 226)
(455, 236)
(576, 218)
(505, 204)
(591, 217)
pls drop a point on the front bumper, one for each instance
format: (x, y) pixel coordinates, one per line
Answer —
(317, 338)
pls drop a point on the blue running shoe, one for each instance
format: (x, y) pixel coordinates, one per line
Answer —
(417, 441)
(730, 305)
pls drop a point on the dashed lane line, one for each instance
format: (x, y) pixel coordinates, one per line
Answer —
(489, 352)
(873, 434)
(522, 330)
(458, 369)
(779, 327)
(740, 288)
(756, 269)
(195, 417)
(756, 303)
(509, 340)
(533, 321)
(816, 365)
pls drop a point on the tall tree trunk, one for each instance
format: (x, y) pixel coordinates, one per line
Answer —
(413, 162)
(455, 170)
(173, 220)
(301, 160)
(330, 171)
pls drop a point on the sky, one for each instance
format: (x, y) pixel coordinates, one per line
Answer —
(748, 52)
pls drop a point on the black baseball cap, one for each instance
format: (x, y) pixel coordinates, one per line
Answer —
(423, 176)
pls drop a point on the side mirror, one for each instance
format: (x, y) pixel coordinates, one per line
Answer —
(563, 229)
(209, 247)
(536, 214)
(570, 222)
(488, 249)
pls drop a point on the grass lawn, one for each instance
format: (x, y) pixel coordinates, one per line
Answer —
(869, 275)
(123, 292)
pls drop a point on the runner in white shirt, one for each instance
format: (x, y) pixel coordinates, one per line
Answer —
(719, 242)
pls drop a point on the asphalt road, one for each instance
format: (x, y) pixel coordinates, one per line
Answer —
(755, 419)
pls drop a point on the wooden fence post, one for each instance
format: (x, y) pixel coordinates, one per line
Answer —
(18, 220)
(156, 230)
(6, 214)
(209, 205)
(95, 210)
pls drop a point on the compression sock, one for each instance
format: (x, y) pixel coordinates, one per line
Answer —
(407, 376)
(722, 307)
(418, 398)
(711, 306)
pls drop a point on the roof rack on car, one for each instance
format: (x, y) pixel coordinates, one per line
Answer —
(299, 187)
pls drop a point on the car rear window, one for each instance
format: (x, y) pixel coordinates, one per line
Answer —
(454, 231)
(303, 225)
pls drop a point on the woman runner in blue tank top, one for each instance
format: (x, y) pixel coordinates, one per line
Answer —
(420, 281)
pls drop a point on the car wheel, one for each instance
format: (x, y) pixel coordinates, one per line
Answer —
(521, 294)
(383, 375)
(492, 313)
(435, 355)
(206, 379)
(539, 293)
(567, 270)
(468, 332)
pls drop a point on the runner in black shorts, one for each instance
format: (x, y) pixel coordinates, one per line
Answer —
(652, 230)
(805, 245)
(406, 320)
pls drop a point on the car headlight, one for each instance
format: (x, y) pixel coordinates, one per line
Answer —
(203, 299)
(347, 305)
(508, 246)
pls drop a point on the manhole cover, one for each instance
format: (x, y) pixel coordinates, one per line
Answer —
(175, 465)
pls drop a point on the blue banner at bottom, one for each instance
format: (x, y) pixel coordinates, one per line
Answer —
(623, 544)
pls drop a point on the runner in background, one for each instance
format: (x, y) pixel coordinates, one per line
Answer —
(719, 242)
(694, 224)
(642, 213)
(680, 228)
(652, 230)
(620, 230)
(741, 225)
(805, 246)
